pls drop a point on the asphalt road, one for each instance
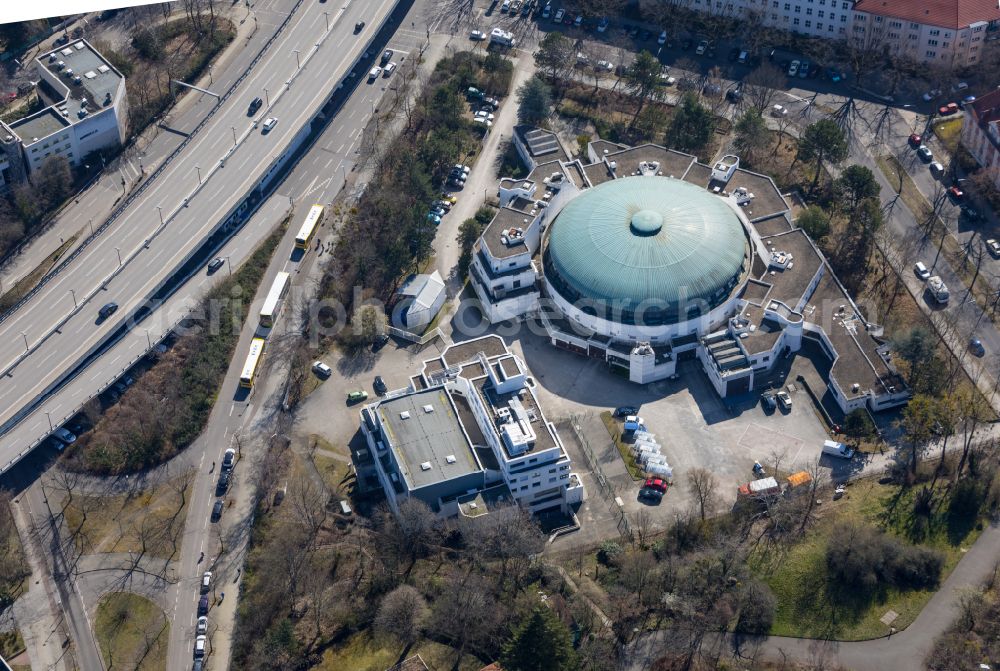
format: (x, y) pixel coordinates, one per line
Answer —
(227, 155)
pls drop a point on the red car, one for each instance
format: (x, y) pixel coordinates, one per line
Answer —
(956, 193)
(916, 140)
(950, 108)
(658, 484)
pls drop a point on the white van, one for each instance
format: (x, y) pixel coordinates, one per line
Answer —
(835, 449)
(920, 270)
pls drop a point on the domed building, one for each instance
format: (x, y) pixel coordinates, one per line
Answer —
(644, 257)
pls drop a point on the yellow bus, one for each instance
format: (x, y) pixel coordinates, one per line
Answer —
(309, 227)
(274, 301)
(252, 364)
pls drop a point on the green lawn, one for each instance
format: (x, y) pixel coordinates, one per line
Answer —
(798, 576)
(124, 624)
(948, 133)
(362, 653)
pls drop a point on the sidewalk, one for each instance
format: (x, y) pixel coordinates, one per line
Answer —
(90, 208)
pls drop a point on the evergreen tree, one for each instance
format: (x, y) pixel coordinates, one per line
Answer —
(541, 643)
(692, 125)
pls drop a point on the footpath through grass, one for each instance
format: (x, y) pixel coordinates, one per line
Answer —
(132, 633)
(809, 604)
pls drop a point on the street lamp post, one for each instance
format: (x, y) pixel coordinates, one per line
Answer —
(267, 100)
(327, 15)
(296, 52)
(149, 341)
(229, 265)
(73, 294)
(119, 251)
(91, 226)
(234, 135)
(49, 417)
(160, 210)
(199, 173)
(25, 336)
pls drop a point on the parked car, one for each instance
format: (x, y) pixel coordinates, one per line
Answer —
(203, 605)
(223, 484)
(199, 646)
(793, 68)
(358, 27)
(779, 111)
(321, 369)
(658, 484)
(925, 153)
(606, 66)
(255, 105)
(662, 39)
(560, 13)
(960, 86)
(202, 625)
(215, 264)
(920, 270)
(379, 385)
(936, 168)
(916, 140)
(993, 247)
(380, 341)
(626, 410)
(702, 48)
(956, 193)
(206, 582)
(784, 401)
(804, 69)
(651, 494)
(931, 95)
(477, 36)
(228, 459)
(357, 396)
(968, 100)
(547, 11)
(976, 347)
(386, 57)
(389, 69)
(950, 108)
(217, 510)
(833, 75)
(269, 124)
(374, 73)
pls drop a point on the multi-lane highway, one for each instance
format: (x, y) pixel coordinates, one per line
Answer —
(58, 327)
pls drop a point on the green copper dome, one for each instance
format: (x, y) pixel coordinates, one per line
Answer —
(638, 241)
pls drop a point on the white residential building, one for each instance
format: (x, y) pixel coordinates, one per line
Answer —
(468, 434)
(88, 112)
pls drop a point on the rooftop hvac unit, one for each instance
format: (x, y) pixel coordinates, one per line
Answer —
(425, 466)
(855, 388)
(450, 459)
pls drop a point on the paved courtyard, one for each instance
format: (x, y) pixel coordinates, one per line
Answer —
(695, 427)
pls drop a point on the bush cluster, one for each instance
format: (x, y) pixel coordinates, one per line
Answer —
(862, 557)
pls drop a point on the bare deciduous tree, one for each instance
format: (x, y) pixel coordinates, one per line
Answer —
(702, 484)
(402, 615)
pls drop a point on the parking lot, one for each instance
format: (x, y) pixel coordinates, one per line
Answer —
(693, 425)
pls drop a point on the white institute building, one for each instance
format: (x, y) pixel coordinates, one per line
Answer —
(467, 434)
(644, 258)
(87, 112)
